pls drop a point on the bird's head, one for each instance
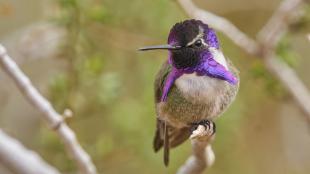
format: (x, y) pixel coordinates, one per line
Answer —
(193, 46)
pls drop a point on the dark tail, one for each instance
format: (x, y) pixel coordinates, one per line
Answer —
(159, 134)
(162, 139)
(166, 145)
(168, 137)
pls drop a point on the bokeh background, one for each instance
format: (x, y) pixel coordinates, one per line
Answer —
(81, 54)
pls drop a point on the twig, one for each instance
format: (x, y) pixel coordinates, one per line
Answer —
(54, 119)
(269, 37)
(263, 47)
(203, 155)
(221, 24)
(290, 81)
(20, 160)
(277, 25)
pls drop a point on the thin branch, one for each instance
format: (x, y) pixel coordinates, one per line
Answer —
(277, 25)
(290, 81)
(20, 160)
(269, 37)
(203, 155)
(54, 119)
(221, 24)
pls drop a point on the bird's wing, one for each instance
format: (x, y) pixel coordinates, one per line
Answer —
(165, 135)
(161, 135)
(168, 137)
(160, 80)
(176, 136)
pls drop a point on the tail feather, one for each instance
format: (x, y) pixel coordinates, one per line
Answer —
(166, 145)
(159, 135)
(158, 141)
(168, 137)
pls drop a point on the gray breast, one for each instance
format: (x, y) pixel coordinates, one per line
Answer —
(194, 98)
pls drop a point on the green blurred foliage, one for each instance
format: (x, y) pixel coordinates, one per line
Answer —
(271, 85)
(286, 52)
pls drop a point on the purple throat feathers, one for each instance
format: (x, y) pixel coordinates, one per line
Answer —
(206, 67)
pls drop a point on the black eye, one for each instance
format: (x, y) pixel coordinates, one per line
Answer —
(198, 43)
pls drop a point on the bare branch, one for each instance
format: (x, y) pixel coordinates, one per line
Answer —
(221, 24)
(54, 119)
(277, 25)
(20, 160)
(269, 37)
(203, 155)
(290, 81)
(196, 164)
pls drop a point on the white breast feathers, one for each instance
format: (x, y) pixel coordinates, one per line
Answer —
(199, 88)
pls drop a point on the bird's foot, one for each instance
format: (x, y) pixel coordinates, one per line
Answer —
(203, 129)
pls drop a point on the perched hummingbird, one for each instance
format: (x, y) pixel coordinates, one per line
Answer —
(194, 86)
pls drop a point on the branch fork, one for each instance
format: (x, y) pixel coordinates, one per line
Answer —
(54, 119)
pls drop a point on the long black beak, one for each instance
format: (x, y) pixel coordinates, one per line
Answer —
(160, 47)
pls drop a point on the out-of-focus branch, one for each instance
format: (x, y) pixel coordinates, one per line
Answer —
(269, 37)
(20, 160)
(203, 155)
(290, 81)
(277, 25)
(54, 119)
(221, 24)
(263, 47)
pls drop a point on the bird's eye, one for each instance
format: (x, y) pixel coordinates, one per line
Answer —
(198, 43)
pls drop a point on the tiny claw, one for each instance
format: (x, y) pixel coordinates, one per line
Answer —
(204, 128)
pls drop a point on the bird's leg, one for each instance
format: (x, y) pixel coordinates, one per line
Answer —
(203, 129)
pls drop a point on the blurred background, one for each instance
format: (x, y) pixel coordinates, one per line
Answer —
(81, 54)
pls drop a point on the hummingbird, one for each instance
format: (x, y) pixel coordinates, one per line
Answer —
(194, 86)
